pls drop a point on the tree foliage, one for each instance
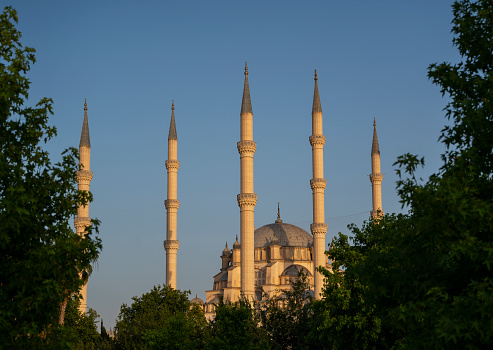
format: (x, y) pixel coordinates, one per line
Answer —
(160, 319)
(236, 326)
(81, 329)
(40, 255)
(287, 315)
(424, 279)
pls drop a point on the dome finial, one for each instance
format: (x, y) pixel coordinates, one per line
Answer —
(278, 221)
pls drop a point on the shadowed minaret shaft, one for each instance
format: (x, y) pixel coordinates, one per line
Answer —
(171, 244)
(318, 184)
(247, 199)
(84, 177)
(376, 176)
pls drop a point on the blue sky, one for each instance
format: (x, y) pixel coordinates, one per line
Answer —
(130, 59)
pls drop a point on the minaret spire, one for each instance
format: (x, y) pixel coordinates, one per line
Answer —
(317, 106)
(247, 199)
(171, 244)
(376, 176)
(246, 103)
(318, 184)
(84, 177)
(172, 127)
(85, 140)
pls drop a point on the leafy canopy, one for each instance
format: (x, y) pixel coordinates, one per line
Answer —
(40, 255)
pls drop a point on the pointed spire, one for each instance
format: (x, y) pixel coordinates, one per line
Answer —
(317, 106)
(172, 127)
(85, 140)
(226, 245)
(374, 147)
(246, 103)
(278, 221)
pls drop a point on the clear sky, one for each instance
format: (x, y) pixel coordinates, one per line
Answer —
(131, 58)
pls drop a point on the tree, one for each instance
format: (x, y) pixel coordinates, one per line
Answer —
(160, 319)
(236, 326)
(40, 255)
(426, 277)
(286, 316)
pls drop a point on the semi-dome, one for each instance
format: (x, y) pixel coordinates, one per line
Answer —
(287, 234)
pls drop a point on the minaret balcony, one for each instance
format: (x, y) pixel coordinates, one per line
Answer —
(247, 200)
(172, 204)
(318, 229)
(247, 147)
(84, 176)
(171, 244)
(317, 140)
(377, 177)
(82, 223)
(319, 183)
(172, 164)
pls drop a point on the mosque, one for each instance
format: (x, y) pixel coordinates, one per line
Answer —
(266, 259)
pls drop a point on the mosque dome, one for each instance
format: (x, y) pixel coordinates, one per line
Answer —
(197, 300)
(287, 234)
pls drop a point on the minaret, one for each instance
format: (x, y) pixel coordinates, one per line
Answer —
(247, 199)
(171, 244)
(318, 184)
(84, 177)
(376, 176)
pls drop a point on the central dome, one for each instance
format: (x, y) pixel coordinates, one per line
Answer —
(287, 234)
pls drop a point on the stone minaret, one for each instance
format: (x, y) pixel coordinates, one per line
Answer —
(318, 183)
(247, 199)
(171, 244)
(84, 177)
(376, 176)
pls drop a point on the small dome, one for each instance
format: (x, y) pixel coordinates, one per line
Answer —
(197, 300)
(236, 244)
(287, 234)
(226, 250)
(275, 240)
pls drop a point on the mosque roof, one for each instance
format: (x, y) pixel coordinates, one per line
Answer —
(287, 234)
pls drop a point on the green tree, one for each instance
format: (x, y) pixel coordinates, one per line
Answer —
(160, 319)
(426, 277)
(286, 316)
(81, 329)
(236, 326)
(40, 255)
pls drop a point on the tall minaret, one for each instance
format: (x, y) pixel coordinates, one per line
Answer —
(84, 177)
(318, 184)
(247, 199)
(171, 244)
(376, 176)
